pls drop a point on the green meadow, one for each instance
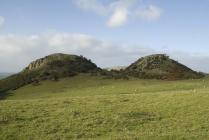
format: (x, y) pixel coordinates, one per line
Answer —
(92, 107)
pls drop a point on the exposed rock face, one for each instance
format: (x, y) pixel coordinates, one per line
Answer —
(152, 61)
(50, 58)
(36, 64)
(160, 66)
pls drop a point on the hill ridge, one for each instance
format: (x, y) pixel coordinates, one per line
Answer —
(59, 65)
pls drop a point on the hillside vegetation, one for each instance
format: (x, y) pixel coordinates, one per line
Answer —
(90, 107)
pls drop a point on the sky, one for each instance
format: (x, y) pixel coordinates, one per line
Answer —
(109, 32)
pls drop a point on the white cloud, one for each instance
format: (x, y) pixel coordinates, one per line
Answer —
(18, 51)
(118, 18)
(1, 20)
(149, 13)
(119, 12)
(91, 5)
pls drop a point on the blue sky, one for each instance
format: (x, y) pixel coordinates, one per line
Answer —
(110, 32)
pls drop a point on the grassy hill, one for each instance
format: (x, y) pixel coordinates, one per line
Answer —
(160, 66)
(91, 107)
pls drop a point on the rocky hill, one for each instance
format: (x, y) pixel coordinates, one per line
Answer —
(51, 67)
(160, 66)
(61, 64)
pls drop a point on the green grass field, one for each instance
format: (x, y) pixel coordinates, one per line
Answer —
(85, 107)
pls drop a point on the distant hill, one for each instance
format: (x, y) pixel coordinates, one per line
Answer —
(4, 75)
(160, 66)
(51, 67)
(116, 68)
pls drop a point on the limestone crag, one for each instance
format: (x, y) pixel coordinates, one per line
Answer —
(36, 64)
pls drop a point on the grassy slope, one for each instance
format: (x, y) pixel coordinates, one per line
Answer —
(90, 107)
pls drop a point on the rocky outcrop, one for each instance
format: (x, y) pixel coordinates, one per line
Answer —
(48, 59)
(36, 64)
